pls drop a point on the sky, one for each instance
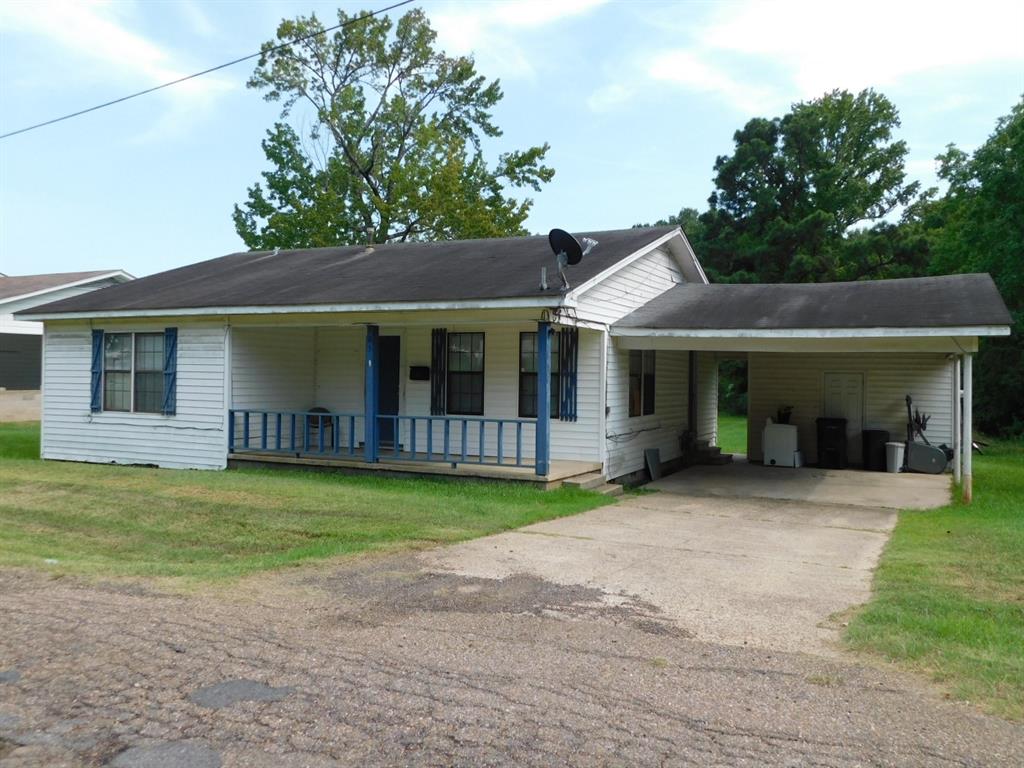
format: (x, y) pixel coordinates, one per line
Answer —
(635, 98)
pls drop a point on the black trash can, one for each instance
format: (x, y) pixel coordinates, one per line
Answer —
(873, 442)
(832, 443)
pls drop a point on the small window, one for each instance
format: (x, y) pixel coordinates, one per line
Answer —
(528, 375)
(133, 372)
(466, 374)
(641, 382)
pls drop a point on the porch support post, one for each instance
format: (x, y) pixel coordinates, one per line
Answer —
(958, 439)
(370, 405)
(542, 452)
(968, 425)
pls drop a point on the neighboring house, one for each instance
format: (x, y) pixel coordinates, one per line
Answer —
(451, 357)
(21, 341)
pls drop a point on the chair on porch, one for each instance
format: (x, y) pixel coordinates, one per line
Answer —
(319, 419)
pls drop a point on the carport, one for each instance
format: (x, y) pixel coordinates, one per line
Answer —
(837, 350)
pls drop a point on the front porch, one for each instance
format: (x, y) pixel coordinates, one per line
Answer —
(476, 396)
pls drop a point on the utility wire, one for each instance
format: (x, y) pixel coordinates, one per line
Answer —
(207, 71)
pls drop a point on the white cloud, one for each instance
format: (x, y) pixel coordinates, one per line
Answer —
(874, 43)
(493, 31)
(759, 56)
(93, 43)
(690, 71)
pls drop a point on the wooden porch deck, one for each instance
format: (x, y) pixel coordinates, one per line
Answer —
(558, 470)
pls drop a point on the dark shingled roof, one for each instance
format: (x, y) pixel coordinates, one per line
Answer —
(916, 302)
(19, 285)
(461, 270)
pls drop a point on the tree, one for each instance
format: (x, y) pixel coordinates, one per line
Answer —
(803, 197)
(978, 226)
(394, 148)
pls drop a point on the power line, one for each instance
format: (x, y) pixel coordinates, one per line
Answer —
(207, 71)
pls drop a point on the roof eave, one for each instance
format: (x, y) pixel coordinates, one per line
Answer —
(529, 302)
(811, 333)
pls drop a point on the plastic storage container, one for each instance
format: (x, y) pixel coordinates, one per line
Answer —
(894, 456)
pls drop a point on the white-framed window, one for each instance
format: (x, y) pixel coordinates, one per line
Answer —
(133, 372)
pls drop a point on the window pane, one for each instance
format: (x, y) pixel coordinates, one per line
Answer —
(149, 352)
(117, 351)
(117, 390)
(528, 352)
(635, 362)
(149, 392)
(648, 385)
(554, 352)
(528, 395)
(649, 362)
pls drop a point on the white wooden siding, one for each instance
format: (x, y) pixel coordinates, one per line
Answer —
(777, 379)
(630, 288)
(193, 438)
(627, 436)
(707, 397)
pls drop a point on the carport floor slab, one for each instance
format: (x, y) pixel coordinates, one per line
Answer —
(749, 572)
(810, 484)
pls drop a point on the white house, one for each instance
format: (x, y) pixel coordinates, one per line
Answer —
(462, 357)
(21, 341)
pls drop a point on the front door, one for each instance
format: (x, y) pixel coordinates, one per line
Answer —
(389, 352)
(844, 399)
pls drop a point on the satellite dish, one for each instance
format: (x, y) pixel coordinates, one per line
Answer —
(568, 251)
(564, 243)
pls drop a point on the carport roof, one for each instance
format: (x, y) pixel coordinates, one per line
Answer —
(950, 301)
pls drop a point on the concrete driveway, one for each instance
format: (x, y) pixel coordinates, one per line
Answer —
(752, 572)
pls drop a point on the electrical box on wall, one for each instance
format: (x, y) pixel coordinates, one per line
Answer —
(419, 373)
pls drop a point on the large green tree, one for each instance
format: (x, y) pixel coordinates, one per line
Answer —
(392, 143)
(804, 197)
(978, 226)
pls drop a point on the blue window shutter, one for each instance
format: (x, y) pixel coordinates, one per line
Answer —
(568, 372)
(170, 371)
(96, 396)
(438, 370)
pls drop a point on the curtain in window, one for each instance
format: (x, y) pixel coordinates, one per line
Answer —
(438, 370)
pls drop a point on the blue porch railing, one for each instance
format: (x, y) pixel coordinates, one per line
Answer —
(294, 432)
(441, 439)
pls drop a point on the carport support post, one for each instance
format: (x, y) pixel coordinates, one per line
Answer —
(370, 396)
(543, 429)
(958, 433)
(967, 442)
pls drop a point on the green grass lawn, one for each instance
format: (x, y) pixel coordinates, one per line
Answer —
(732, 433)
(949, 593)
(109, 520)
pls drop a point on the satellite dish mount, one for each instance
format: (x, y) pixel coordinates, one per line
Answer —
(568, 252)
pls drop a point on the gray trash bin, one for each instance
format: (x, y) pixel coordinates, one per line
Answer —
(894, 456)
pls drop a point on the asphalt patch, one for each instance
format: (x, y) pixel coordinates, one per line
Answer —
(230, 692)
(192, 753)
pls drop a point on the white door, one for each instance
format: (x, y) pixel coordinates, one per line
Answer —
(844, 399)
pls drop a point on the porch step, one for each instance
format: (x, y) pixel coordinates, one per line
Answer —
(587, 482)
(609, 489)
(718, 458)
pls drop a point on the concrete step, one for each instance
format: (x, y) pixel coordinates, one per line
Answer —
(718, 458)
(588, 481)
(609, 489)
(710, 450)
